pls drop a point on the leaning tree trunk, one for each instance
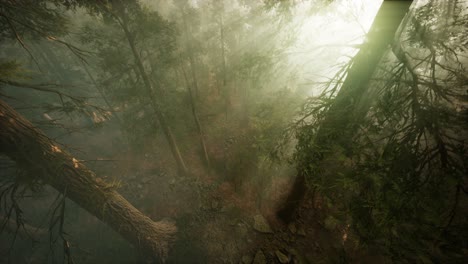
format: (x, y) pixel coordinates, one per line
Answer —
(339, 125)
(225, 89)
(154, 103)
(189, 40)
(43, 160)
(201, 135)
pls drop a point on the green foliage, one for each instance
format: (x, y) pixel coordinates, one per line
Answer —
(399, 177)
(37, 19)
(10, 70)
(253, 65)
(155, 41)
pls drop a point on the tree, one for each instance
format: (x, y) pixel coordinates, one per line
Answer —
(201, 134)
(119, 12)
(336, 126)
(392, 165)
(190, 49)
(140, 78)
(44, 162)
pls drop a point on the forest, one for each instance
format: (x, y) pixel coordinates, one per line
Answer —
(233, 131)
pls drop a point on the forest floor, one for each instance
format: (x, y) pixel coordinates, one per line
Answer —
(220, 220)
(226, 214)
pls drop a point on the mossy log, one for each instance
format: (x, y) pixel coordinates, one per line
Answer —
(44, 161)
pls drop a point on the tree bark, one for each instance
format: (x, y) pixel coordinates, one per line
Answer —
(340, 123)
(43, 161)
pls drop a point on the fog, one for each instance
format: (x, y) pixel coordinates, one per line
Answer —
(201, 131)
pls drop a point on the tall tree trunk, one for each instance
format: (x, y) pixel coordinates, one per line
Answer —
(42, 160)
(249, 84)
(155, 104)
(191, 56)
(346, 110)
(197, 122)
(225, 89)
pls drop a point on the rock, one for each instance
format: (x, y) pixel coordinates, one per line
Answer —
(146, 180)
(242, 230)
(261, 225)
(281, 257)
(233, 222)
(301, 231)
(292, 251)
(139, 186)
(331, 223)
(292, 228)
(246, 259)
(259, 258)
(298, 258)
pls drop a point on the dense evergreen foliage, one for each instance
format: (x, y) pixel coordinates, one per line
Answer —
(396, 172)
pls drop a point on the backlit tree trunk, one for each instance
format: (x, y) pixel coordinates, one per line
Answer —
(346, 109)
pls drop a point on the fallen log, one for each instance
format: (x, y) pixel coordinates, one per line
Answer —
(44, 161)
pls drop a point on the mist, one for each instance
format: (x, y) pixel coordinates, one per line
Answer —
(201, 131)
